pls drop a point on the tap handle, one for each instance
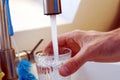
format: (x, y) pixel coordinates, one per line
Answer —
(10, 26)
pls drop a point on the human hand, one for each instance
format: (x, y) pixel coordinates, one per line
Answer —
(85, 46)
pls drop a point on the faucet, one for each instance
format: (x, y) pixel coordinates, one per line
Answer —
(7, 53)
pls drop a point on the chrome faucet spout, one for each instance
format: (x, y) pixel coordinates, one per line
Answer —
(52, 7)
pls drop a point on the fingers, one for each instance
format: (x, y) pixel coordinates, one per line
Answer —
(45, 70)
(48, 48)
(66, 39)
(72, 65)
(61, 43)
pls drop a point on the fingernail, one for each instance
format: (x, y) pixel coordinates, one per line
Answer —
(64, 71)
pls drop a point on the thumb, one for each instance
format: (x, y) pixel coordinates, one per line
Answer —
(73, 64)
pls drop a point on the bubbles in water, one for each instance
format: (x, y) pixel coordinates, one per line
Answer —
(50, 72)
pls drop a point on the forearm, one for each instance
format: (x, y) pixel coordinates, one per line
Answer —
(111, 46)
(105, 47)
(115, 37)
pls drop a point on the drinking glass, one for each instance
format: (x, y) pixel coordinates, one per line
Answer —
(48, 67)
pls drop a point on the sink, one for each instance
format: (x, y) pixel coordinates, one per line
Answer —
(93, 71)
(98, 71)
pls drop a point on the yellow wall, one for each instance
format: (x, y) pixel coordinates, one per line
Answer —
(91, 15)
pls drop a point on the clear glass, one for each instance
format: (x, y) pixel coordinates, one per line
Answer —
(47, 67)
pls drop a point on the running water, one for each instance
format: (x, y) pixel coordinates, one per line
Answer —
(54, 37)
(48, 66)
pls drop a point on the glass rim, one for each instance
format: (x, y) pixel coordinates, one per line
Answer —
(60, 54)
(49, 60)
